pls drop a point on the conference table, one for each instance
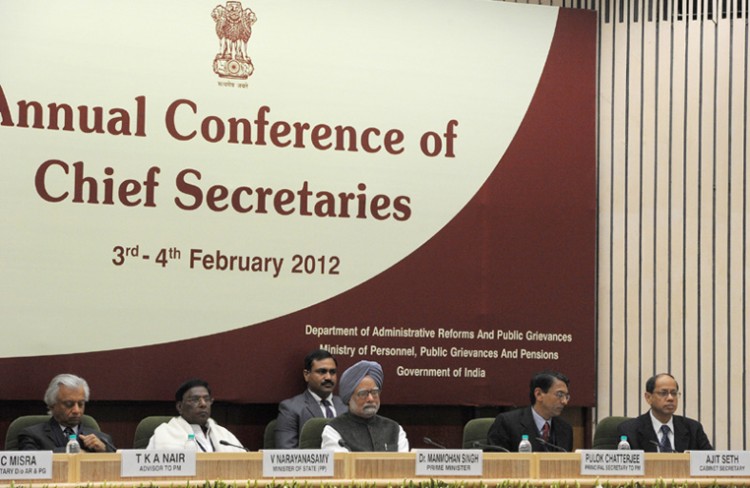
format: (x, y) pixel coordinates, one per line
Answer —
(375, 470)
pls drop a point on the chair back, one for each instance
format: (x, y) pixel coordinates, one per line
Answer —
(269, 435)
(145, 429)
(475, 432)
(605, 434)
(20, 423)
(311, 436)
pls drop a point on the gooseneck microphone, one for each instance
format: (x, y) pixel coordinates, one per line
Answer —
(549, 444)
(488, 447)
(343, 444)
(429, 441)
(658, 446)
(225, 443)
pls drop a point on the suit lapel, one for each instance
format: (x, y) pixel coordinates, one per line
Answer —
(681, 435)
(54, 433)
(646, 432)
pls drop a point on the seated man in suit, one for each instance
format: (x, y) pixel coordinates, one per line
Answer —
(317, 400)
(66, 398)
(549, 394)
(194, 402)
(361, 429)
(659, 429)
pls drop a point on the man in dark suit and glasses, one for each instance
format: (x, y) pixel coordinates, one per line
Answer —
(66, 398)
(549, 394)
(659, 429)
(317, 400)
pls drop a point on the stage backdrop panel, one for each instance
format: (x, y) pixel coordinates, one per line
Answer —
(214, 189)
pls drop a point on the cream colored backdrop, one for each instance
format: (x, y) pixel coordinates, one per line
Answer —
(673, 207)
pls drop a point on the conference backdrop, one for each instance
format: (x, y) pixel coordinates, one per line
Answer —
(214, 189)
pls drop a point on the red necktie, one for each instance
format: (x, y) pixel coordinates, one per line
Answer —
(545, 432)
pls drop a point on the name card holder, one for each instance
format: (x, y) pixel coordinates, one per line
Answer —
(720, 463)
(297, 463)
(449, 462)
(148, 464)
(26, 465)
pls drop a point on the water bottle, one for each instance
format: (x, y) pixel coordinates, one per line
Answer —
(624, 444)
(524, 445)
(72, 447)
(190, 444)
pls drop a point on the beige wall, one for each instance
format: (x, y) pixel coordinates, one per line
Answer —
(673, 207)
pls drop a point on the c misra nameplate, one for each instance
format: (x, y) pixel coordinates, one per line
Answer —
(449, 462)
(616, 463)
(26, 465)
(145, 463)
(293, 463)
(719, 463)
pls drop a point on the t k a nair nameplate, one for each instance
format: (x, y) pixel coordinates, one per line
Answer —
(145, 463)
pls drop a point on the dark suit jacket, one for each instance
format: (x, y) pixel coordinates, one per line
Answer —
(508, 428)
(688, 434)
(294, 412)
(48, 436)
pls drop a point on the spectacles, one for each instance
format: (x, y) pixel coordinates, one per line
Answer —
(70, 404)
(362, 394)
(324, 371)
(666, 393)
(561, 395)
(195, 400)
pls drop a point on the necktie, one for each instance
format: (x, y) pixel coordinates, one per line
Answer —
(545, 432)
(68, 432)
(664, 444)
(329, 410)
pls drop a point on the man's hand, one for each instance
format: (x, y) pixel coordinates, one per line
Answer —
(92, 443)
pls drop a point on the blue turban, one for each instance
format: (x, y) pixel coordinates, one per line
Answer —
(352, 377)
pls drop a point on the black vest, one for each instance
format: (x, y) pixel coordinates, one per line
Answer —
(362, 435)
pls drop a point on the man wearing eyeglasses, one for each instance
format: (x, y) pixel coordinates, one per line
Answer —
(549, 394)
(361, 429)
(66, 398)
(194, 402)
(317, 400)
(659, 429)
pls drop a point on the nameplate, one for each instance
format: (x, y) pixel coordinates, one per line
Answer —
(145, 463)
(282, 463)
(719, 463)
(26, 465)
(449, 462)
(617, 463)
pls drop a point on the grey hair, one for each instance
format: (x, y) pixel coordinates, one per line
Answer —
(67, 380)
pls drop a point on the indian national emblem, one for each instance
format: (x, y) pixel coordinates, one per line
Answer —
(234, 26)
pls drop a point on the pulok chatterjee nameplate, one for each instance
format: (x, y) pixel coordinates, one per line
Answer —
(614, 463)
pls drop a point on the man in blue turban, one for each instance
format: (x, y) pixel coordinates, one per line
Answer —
(362, 429)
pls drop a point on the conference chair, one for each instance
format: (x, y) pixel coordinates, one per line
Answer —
(475, 432)
(312, 432)
(145, 429)
(15, 427)
(605, 434)
(269, 435)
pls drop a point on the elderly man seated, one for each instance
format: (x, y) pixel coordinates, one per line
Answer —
(361, 428)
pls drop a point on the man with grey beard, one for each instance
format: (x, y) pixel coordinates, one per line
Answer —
(362, 429)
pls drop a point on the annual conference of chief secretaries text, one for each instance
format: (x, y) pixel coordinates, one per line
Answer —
(84, 187)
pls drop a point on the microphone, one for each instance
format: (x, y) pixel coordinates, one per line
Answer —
(108, 444)
(429, 441)
(343, 444)
(658, 446)
(488, 447)
(549, 444)
(225, 443)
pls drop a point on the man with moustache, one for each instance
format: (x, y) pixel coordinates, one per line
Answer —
(194, 402)
(549, 394)
(317, 400)
(659, 429)
(361, 429)
(66, 398)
